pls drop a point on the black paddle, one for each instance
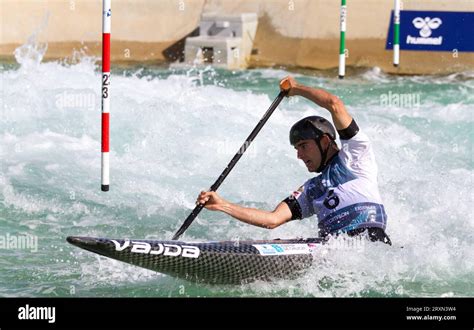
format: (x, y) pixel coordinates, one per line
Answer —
(232, 163)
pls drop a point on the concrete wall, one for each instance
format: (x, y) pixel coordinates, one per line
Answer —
(301, 33)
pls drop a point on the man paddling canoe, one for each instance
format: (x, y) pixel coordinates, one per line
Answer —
(344, 197)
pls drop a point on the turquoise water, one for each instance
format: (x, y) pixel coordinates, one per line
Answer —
(172, 133)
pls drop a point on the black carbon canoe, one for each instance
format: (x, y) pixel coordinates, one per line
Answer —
(227, 262)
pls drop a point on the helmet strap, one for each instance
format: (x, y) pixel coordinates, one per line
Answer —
(324, 155)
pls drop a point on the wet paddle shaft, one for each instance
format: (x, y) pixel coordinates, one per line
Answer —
(232, 163)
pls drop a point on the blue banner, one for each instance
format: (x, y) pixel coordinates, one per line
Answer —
(434, 31)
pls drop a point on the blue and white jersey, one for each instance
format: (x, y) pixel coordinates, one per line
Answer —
(345, 196)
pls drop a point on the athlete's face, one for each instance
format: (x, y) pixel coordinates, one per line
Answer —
(308, 152)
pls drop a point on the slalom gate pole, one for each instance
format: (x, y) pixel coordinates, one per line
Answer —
(106, 24)
(342, 41)
(396, 33)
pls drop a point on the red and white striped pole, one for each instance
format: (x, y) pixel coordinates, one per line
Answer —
(106, 23)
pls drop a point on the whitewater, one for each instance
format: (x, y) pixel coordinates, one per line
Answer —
(172, 133)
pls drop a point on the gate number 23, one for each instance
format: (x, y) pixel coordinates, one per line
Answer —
(105, 84)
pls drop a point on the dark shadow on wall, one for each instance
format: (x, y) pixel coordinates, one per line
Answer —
(175, 52)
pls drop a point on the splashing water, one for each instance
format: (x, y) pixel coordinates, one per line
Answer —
(30, 54)
(172, 133)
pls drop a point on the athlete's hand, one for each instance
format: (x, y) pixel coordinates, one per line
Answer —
(211, 200)
(289, 84)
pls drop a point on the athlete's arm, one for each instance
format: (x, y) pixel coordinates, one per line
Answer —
(260, 218)
(332, 103)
